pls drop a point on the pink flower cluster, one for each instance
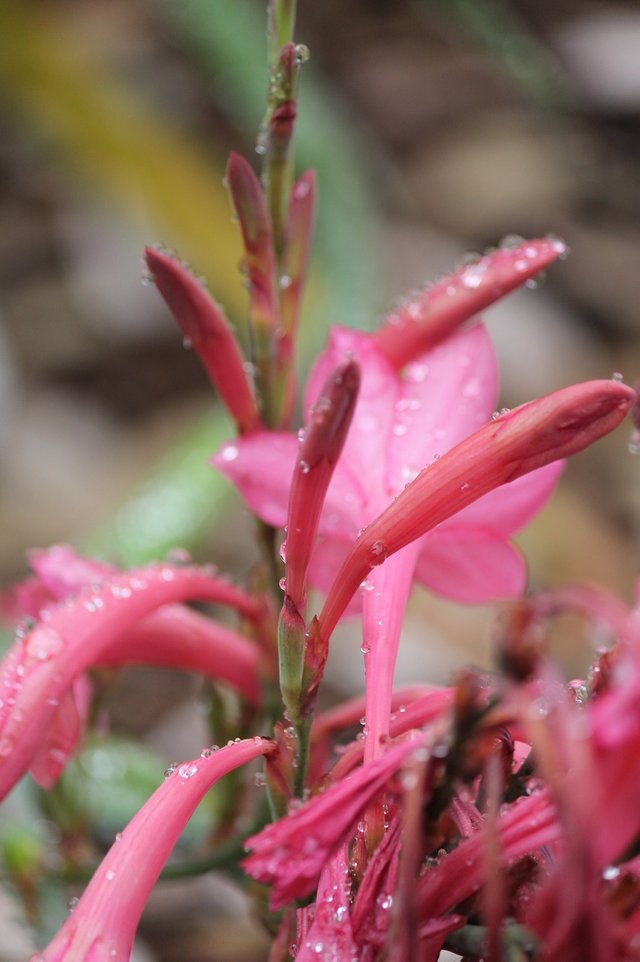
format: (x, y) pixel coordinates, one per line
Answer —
(499, 817)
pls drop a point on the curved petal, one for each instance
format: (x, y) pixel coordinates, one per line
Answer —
(261, 466)
(62, 735)
(474, 565)
(104, 921)
(445, 395)
(508, 508)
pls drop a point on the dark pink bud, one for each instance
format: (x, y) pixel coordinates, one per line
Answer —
(513, 444)
(204, 324)
(423, 321)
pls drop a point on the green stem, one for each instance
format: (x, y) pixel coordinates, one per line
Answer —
(303, 731)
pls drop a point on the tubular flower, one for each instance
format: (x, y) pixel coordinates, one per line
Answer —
(103, 923)
(123, 618)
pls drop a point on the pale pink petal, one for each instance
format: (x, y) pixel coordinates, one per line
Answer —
(373, 418)
(63, 734)
(103, 923)
(384, 602)
(325, 564)
(445, 395)
(508, 508)
(261, 465)
(474, 565)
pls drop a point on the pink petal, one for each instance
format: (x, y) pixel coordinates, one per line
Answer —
(509, 508)
(44, 662)
(261, 467)
(330, 935)
(63, 571)
(474, 565)
(103, 923)
(177, 637)
(63, 734)
(325, 564)
(382, 618)
(444, 396)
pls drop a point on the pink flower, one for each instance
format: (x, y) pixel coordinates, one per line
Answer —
(125, 618)
(103, 923)
(290, 854)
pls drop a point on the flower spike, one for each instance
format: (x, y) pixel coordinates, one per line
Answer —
(526, 438)
(103, 923)
(423, 321)
(203, 322)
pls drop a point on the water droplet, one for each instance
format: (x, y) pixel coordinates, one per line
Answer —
(284, 281)
(261, 149)
(187, 770)
(71, 904)
(304, 466)
(365, 648)
(536, 281)
(229, 452)
(169, 770)
(618, 377)
(118, 836)
(377, 553)
(510, 241)
(283, 551)
(302, 52)
(340, 913)
(465, 487)
(187, 343)
(385, 901)
(178, 556)
(610, 873)
(43, 643)
(110, 875)
(634, 441)
(282, 584)
(260, 779)
(206, 753)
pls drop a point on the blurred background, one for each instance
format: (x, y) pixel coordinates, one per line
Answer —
(437, 127)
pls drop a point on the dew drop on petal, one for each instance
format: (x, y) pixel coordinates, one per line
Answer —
(377, 553)
(187, 770)
(43, 643)
(229, 452)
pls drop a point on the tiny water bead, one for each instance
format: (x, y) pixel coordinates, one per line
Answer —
(377, 553)
(187, 770)
(43, 643)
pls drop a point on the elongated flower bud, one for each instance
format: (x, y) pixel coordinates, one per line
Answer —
(423, 321)
(251, 209)
(203, 322)
(104, 921)
(513, 444)
(323, 442)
